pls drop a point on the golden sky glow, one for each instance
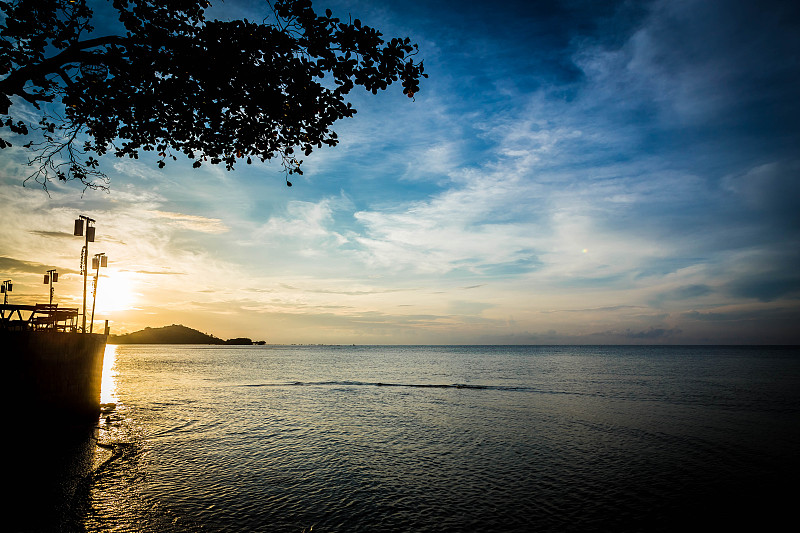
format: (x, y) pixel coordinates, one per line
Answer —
(589, 179)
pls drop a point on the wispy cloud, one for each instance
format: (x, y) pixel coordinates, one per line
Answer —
(192, 222)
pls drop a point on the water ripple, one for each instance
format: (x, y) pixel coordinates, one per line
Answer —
(382, 384)
(444, 439)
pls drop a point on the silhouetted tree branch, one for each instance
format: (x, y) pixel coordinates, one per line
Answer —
(171, 81)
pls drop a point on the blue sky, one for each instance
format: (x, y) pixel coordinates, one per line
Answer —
(571, 172)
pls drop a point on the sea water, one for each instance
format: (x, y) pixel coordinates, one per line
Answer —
(442, 438)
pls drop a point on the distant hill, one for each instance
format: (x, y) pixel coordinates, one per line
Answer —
(174, 334)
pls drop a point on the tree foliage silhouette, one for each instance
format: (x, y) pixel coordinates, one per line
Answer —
(170, 81)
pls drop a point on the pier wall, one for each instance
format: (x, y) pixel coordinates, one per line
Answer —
(56, 375)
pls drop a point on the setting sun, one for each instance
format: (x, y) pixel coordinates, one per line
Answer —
(116, 291)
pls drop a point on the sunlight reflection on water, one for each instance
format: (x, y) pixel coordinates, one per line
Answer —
(108, 388)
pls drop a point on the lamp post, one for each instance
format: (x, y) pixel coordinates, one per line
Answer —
(7, 286)
(84, 222)
(51, 277)
(97, 261)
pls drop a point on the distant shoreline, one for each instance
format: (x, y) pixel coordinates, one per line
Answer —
(177, 334)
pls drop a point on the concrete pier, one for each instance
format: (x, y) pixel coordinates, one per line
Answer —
(53, 374)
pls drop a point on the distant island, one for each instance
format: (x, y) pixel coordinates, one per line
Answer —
(175, 334)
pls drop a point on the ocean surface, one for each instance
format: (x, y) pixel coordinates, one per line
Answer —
(434, 439)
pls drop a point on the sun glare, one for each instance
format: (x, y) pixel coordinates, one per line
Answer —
(108, 389)
(116, 292)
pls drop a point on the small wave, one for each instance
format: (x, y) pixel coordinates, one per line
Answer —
(383, 384)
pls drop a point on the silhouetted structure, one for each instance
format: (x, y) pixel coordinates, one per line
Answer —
(55, 374)
(53, 367)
